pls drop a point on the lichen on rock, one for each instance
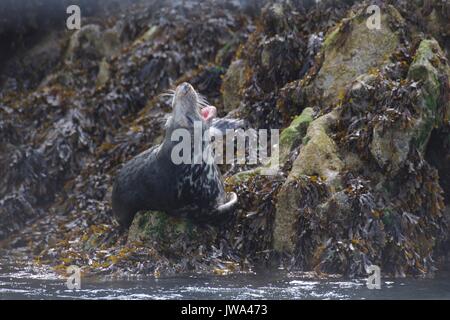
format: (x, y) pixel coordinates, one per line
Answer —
(352, 49)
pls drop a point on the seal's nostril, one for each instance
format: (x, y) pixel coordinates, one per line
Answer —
(184, 87)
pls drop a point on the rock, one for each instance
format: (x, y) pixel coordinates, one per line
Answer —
(285, 232)
(294, 200)
(231, 85)
(275, 18)
(318, 157)
(225, 55)
(430, 68)
(292, 136)
(360, 92)
(33, 64)
(159, 229)
(390, 147)
(438, 22)
(353, 49)
(242, 176)
(90, 40)
(15, 211)
(103, 73)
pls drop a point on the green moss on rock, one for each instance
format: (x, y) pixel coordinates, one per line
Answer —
(319, 155)
(293, 135)
(429, 68)
(350, 50)
(156, 226)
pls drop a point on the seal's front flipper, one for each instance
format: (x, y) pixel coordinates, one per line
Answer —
(230, 204)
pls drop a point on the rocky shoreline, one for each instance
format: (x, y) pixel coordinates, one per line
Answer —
(365, 136)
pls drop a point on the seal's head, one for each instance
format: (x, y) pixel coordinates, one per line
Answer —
(189, 107)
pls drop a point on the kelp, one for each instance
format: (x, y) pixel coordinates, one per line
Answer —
(64, 138)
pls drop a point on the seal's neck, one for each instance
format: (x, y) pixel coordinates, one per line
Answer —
(191, 143)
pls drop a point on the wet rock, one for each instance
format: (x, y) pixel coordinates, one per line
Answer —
(274, 17)
(318, 157)
(27, 69)
(360, 92)
(292, 136)
(352, 49)
(232, 84)
(390, 147)
(436, 15)
(103, 73)
(91, 41)
(297, 196)
(432, 70)
(15, 212)
(159, 229)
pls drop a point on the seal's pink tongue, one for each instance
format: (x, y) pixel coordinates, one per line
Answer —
(208, 112)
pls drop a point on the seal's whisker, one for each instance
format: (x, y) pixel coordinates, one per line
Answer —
(202, 101)
(167, 93)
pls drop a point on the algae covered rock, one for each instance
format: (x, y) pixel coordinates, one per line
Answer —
(158, 228)
(431, 68)
(319, 155)
(231, 85)
(317, 160)
(296, 197)
(292, 136)
(352, 49)
(391, 145)
(91, 41)
(387, 116)
(364, 144)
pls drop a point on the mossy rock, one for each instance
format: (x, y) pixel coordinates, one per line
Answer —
(352, 49)
(319, 155)
(292, 136)
(154, 227)
(391, 147)
(422, 68)
(90, 39)
(318, 159)
(242, 176)
(231, 85)
(430, 69)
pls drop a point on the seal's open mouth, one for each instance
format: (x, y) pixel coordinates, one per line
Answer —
(208, 112)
